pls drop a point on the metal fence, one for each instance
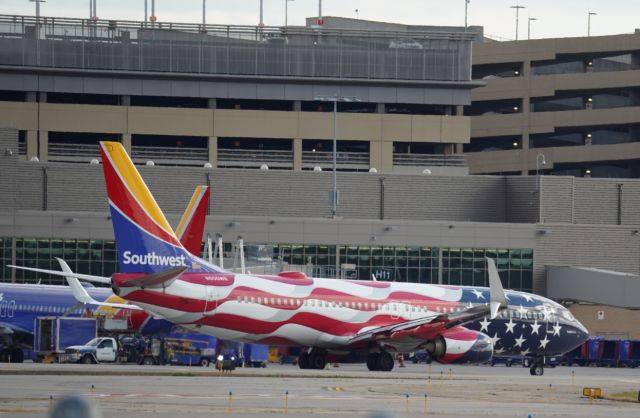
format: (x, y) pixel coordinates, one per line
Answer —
(234, 50)
(433, 160)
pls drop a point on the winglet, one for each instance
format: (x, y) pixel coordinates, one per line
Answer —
(498, 298)
(79, 292)
(81, 295)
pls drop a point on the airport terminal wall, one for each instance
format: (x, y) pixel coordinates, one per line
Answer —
(588, 222)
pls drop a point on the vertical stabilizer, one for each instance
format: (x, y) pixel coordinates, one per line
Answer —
(145, 242)
(191, 226)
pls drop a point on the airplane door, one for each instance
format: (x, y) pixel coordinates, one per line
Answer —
(210, 300)
(395, 311)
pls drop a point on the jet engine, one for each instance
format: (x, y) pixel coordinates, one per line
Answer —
(460, 345)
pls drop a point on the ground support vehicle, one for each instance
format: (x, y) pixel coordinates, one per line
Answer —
(53, 334)
(97, 350)
(255, 355)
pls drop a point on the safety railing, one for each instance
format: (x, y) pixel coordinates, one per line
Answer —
(433, 160)
(234, 50)
(63, 152)
(170, 155)
(247, 158)
(325, 158)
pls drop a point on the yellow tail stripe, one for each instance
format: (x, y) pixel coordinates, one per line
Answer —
(129, 174)
(188, 213)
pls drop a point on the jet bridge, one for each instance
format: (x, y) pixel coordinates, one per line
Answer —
(593, 285)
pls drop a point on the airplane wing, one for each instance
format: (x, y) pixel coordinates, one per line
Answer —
(82, 296)
(429, 327)
(87, 277)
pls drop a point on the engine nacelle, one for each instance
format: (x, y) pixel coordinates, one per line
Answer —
(461, 345)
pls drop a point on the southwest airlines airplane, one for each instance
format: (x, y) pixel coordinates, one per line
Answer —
(334, 320)
(21, 304)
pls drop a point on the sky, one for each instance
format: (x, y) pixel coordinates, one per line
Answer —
(555, 18)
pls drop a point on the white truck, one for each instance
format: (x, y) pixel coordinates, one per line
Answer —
(97, 350)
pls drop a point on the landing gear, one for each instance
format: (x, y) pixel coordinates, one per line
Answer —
(313, 360)
(382, 361)
(12, 355)
(537, 367)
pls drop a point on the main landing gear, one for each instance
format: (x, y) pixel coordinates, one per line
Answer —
(315, 359)
(380, 361)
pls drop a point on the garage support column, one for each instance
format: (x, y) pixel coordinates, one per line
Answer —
(297, 154)
(213, 151)
(381, 156)
(43, 146)
(126, 142)
(32, 144)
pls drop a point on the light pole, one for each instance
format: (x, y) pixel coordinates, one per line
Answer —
(529, 27)
(286, 12)
(589, 22)
(538, 164)
(357, 15)
(517, 7)
(333, 200)
(466, 5)
(204, 13)
(261, 24)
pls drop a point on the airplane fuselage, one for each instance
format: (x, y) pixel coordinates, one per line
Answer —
(328, 313)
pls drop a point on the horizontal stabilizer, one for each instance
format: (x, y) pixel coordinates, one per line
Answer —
(159, 279)
(87, 277)
(82, 296)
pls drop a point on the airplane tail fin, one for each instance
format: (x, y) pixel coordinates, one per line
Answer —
(191, 226)
(145, 242)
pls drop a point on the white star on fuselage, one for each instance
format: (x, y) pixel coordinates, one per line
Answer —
(478, 294)
(520, 341)
(484, 324)
(544, 342)
(534, 327)
(525, 352)
(495, 339)
(510, 325)
(522, 311)
(556, 329)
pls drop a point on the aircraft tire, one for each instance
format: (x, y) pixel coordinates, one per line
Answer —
(317, 361)
(303, 361)
(17, 355)
(373, 363)
(385, 362)
(536, 370)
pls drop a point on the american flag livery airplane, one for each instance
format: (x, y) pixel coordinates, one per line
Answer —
(343, 320)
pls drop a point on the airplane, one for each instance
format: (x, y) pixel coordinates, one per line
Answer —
(332, 319)
(21, 304)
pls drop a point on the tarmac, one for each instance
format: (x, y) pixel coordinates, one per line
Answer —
(32, 390)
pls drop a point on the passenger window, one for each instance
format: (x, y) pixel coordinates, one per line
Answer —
(259, 300)
(239, 299)
(273, 301)
(366, 306)
(279, 301)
